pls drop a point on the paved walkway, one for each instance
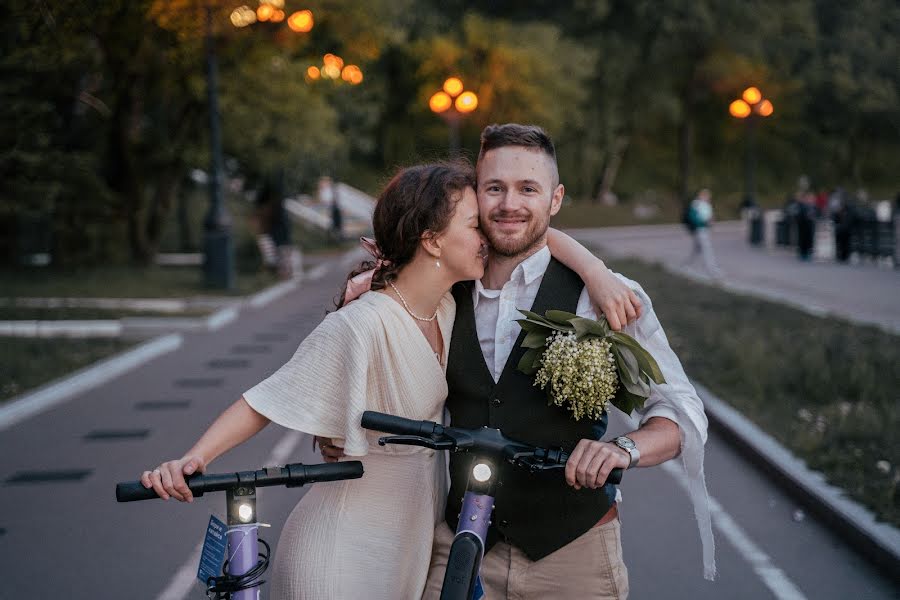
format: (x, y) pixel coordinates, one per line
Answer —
(864, 293)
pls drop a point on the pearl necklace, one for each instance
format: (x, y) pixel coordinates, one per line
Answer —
(408, 309)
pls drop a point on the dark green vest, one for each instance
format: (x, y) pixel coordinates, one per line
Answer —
(538, 513)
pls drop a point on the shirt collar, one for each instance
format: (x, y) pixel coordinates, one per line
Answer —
(528, 270)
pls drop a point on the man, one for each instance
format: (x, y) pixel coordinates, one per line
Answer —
(550, 537)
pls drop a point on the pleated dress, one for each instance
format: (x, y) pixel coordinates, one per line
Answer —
(370, 537)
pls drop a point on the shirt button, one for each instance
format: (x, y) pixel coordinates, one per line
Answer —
(496, 401)
(504, 523)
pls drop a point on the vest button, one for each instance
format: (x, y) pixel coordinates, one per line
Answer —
(496, 401)
(504, 523)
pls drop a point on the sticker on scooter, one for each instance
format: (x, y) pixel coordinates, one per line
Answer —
(213, 556)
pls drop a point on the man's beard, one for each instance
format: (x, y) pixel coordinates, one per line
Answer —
(522, 244)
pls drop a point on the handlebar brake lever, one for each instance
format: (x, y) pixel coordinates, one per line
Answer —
(416, 440)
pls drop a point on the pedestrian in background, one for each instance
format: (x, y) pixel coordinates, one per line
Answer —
(698, 217)
(806, 225)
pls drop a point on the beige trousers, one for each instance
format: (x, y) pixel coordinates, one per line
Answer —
(589, 567)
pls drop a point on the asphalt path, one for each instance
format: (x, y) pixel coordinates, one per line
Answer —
(68, 538)
(864, 292)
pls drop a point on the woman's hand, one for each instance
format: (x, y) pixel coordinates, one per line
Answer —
(614, 299)
(330, 452)
(168, 478)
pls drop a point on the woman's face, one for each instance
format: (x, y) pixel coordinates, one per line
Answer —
(463, 247)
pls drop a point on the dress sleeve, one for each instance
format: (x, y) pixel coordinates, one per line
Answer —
(322, 390)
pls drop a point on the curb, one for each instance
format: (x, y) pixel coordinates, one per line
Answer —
(22, 407)
(878, 542)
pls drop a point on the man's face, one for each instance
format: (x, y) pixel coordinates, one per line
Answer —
(517, 194)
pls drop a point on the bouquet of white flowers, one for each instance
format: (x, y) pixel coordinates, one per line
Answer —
(586, 365)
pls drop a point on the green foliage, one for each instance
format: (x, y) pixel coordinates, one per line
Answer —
(104, 106)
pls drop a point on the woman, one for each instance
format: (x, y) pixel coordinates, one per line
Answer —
(372, 537)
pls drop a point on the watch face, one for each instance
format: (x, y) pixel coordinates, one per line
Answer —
(624, 442)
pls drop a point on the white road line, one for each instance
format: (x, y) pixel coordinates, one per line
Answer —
(774, 578)
(66, 388)
(183, 580)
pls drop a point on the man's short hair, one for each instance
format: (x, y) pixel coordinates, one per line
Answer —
(513, 134)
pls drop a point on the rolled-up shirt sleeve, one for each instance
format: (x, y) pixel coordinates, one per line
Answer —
(676, 400)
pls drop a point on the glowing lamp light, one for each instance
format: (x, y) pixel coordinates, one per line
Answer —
(739, 109)
(273, 3)
(481, 472)
(440, 102)
(466, 102)
(277, 16)
(313, 73)
(765, 108)
(243, 16)
(265, 12)
(752, 95)
(301, 21)
(331, 71)
(333, 59)
(453, 86)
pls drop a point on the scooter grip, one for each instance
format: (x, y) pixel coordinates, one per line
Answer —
(615, 476)
(377, 421)
(351, 469)
(131, 491)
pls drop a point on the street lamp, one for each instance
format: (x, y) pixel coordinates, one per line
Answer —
(333, 68)
(750, 107)
(452, 103)
(218, 247)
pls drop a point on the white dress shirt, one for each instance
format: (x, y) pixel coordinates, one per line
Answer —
(495, 321)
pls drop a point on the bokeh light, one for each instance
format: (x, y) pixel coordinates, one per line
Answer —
(466, 102)
(739, 109)
(752, 95)
(453, 86)
(765, 108)
(440, 102)
(243, 16)
(301, 21)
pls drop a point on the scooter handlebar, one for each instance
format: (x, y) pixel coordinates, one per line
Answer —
(377, 421)
(292, 475)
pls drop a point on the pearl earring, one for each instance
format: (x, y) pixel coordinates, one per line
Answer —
(438, 263)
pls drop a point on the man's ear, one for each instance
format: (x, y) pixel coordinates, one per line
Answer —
(556, 200)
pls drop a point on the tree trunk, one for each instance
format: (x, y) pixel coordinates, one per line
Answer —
(686, 142)
(613, 163)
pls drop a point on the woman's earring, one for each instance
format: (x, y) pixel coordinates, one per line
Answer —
(438, 263)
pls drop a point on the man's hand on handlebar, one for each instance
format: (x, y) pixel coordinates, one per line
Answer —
(591, 461)
(330, 452)
(168, 478)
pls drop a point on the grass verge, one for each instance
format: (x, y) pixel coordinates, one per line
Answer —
(825, 388)
(27, 363)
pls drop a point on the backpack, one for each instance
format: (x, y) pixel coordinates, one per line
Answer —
(689, 218)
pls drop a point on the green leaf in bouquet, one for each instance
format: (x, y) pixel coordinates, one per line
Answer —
(539, 320)
(560, 317)
(535, 339)
(530, 361)
(645, 359)
(629, 370)
(585, 327)
(626, 401)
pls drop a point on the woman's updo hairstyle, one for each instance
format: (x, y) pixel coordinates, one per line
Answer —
(418, 200)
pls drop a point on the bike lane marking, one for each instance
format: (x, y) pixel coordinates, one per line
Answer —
(183, 581)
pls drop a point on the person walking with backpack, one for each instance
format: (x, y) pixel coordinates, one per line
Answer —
(698, 217)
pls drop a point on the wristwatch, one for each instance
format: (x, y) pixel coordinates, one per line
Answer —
(627, 444)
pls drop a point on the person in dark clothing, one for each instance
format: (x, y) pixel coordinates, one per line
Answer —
(806, 226)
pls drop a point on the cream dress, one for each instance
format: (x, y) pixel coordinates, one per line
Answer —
(370, 537)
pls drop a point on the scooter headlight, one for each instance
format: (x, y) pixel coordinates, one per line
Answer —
(481, 472)
(245, 513)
